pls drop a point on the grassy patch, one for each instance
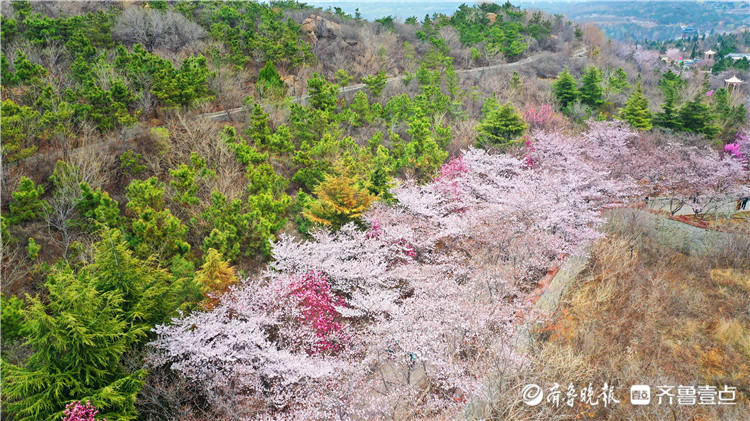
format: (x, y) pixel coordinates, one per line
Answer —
(641, 313)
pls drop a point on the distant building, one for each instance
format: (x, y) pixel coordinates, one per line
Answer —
(739, 56)
(689, 32)
(733, 82)
(686, 64)
(710, 54)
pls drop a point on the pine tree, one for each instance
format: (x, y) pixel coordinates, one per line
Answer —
(696, 117)
(591, 90)
(258, 129)
(269, 82)
(668, 117)
(27, 203)
(375, 83)
(636, 111)
(500, 126)
(671, 81)
(95, 208)
(422, 155)
(618, 81)
(215, 277)
(728, 117)
(155, 230)
(361, 110)
(269, 76)
(324, 96)
(564, 88)
(81, 330)
(338, 199)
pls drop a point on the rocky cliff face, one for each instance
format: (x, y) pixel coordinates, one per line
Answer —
(317, 28)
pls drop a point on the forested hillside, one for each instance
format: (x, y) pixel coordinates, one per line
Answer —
(366, 234)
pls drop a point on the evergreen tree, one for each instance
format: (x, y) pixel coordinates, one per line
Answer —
(636, 111)
(668, 117)
(338, 199)
(591, 90)
(564, 88)
(27, 203)
(500, 125)
(259, 129)
(81, 330)
(728, 117)
(154, 230)
(618, 81)
(215, 277)
(269, 82)
(361, 112)
(11, 319)
(97, 209)
(696, 117)
(422, 154)
(375, 83)
(671, 81)
(324, 96)
(269, 76)
(78, 336)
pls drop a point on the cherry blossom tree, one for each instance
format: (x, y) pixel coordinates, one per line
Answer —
(542, 117)
(403, 318)
(263, 342)
(740, 149)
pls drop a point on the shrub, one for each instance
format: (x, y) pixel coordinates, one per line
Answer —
(542, 117)
(77, 411)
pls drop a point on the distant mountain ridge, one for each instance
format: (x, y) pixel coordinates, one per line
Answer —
(622, 20)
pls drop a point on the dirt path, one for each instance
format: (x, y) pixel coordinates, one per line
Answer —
(226, 115)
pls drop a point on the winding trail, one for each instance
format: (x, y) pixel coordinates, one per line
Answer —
(302, 99)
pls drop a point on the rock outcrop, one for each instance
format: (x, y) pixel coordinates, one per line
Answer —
(317, 28)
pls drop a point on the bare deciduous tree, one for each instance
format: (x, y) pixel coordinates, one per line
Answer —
(154, 29)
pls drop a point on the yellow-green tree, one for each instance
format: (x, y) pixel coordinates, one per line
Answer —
(339, 199)
(215, 277)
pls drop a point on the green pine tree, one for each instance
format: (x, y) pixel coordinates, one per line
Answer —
(618, 81)
(27, 203)
(591, 89)
(564, 88)
(696, 117)
(636, 111)
(668, 117)
(500, 125)
(82, 328)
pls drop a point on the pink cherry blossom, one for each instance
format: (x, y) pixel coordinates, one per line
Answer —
(77, 411)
